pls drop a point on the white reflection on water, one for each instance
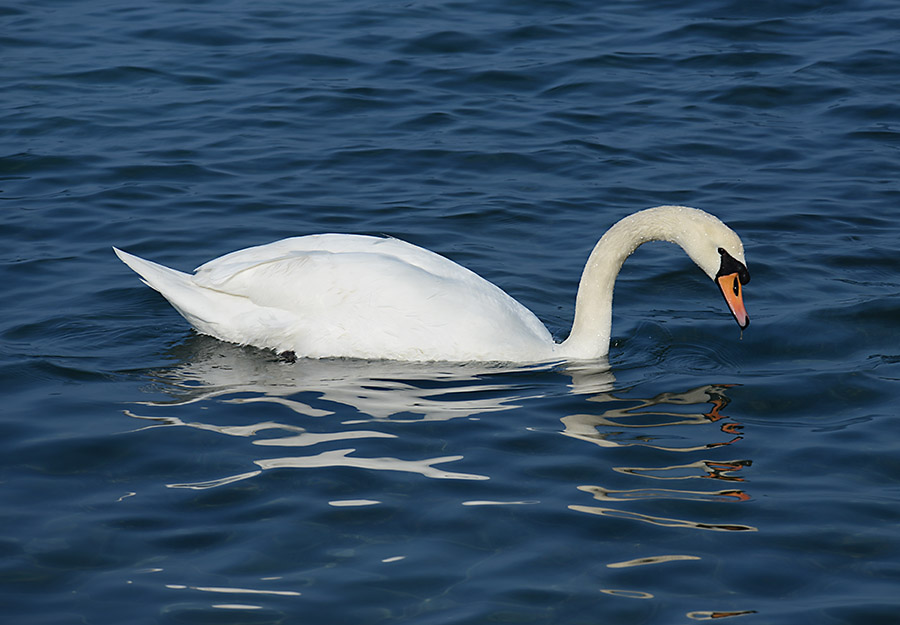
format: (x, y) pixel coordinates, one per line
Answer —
(617, 425)
(353, 503)
(713, 615)
(702, 469)
(629, 594)
(663, 521)
(375, 394)
(604, 494)
(341, 458)
(649, 560)
(235, 591)
(652, 423)
(377, 390)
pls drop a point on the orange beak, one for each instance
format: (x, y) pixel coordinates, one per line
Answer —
(731, 289)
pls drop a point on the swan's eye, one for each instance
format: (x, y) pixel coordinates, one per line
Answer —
(737, 286)
(721, 251)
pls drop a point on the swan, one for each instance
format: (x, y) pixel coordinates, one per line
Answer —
(356, 296)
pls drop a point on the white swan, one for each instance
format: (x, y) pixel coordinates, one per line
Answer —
(341, 295)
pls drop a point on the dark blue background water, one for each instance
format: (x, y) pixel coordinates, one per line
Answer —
(150, 475)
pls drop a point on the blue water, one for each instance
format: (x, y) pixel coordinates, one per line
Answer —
(151, 475)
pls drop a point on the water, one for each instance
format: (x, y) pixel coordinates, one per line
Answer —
(150, 475)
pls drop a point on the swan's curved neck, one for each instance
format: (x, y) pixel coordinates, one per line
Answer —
(593, 305)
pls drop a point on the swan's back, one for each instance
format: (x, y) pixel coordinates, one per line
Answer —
(230, 264)
(336, 295)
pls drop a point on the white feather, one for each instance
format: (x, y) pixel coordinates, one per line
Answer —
(337, 295)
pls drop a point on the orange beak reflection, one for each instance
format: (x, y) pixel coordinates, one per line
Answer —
(731, 289)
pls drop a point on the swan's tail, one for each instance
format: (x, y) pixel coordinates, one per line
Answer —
(198, 305)
(157, 277)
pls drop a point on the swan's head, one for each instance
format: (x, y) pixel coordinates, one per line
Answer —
(718, 251)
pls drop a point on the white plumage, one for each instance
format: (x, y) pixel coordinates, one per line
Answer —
(339, 295)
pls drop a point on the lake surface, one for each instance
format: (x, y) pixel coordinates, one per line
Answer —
(152, 475)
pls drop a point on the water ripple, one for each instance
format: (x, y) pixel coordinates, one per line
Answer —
(157, 473)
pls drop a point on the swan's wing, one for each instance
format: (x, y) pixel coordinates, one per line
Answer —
(220, 270)
(371, 297)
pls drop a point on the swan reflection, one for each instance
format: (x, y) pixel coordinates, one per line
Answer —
(377, 390)
(373, 393)
(341, 458)
(339, 409)
(663, 462)
(618, 425)
(605, 494)
(662, 521)
(709, 615)
(624, 423)
(714, 469)
(649, 560)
